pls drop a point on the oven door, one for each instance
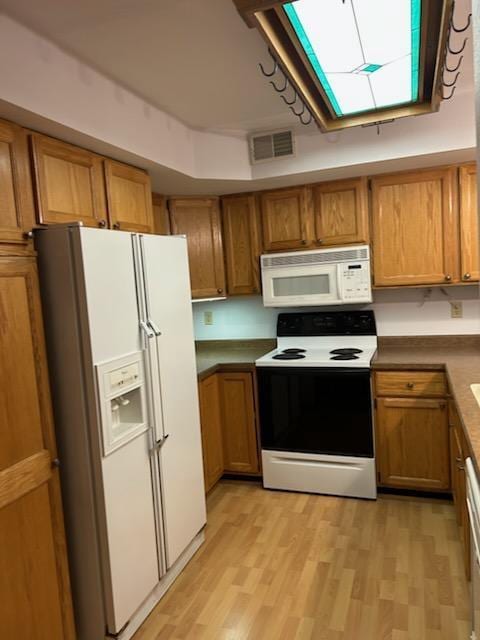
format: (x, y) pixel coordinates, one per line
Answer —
(320, 410)
(301, 286)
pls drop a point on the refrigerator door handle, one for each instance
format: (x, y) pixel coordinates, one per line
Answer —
(147, 330)
(154, 327)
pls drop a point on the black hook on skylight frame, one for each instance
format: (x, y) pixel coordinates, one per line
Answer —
(275, 66)
(456, 53)
(284, 86)
(444, 97)
(450, 84)
(301, 112)
(447, 68)
(469, 19)
(295, 96)
(308, 121)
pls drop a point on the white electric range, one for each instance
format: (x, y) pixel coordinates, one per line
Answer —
(316, 410)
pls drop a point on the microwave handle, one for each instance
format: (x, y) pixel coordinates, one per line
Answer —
(339, 282)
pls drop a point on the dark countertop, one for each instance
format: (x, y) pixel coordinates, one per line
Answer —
(459, 356)
(229, 354)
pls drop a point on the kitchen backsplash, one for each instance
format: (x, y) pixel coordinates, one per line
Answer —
(398, 312)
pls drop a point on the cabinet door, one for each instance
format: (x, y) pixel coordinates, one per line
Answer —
(211, 431)
(199, 220)
(69, 183)
(129, 196)
(161, 221)
(458, 454)
(341, 212)
(286, 219)
(34, 582)
(238, 423)
(16, 201)
(413, 443)
(415, 228)
(469, 242)
(242, 244)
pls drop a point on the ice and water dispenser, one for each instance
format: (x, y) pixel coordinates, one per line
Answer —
(121, 387)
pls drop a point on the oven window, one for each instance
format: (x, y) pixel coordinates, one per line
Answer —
(301, 285)
(316, 410)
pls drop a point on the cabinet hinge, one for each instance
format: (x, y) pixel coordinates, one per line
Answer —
(375, 403)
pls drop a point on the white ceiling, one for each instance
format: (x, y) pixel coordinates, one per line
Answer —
(195, 59)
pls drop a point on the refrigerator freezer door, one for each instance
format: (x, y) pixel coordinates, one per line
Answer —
(125, 495)
(170, 312)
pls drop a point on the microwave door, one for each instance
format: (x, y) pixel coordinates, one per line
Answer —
(300, 286)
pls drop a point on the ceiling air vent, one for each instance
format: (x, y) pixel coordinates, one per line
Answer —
(266, 146)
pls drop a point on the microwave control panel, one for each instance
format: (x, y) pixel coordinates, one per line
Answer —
(356, 281)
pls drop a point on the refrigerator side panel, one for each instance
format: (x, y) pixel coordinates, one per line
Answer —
(65, 342)
(181, 467)
(129, 527)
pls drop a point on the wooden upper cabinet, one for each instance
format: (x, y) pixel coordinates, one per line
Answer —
(212, 444)
(286, 219)
(199, 220)
(469, 231)
(241, 235)
(16, 201)
(34, 580)
(69, 183)
(341, 212)
(129, 196)
(413, 443)
(240, 451)
(415, 228)
(161, 221)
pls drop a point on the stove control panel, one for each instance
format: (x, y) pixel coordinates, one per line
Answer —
(326, 323)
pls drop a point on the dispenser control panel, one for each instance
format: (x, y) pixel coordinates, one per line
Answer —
(123, 377)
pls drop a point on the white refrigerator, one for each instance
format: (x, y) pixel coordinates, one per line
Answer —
(121, 354)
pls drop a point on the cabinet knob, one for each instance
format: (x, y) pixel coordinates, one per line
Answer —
(219, 290)
(448, 277)
(467, 276)
(28, 235)
(304, 242)
(55, 462)
(410, 385)
(116, 226)
(102, 223)
(319, 241)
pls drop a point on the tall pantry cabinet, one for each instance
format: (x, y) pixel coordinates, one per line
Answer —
(34, 580)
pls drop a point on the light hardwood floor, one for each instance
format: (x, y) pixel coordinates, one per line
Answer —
(291, 566)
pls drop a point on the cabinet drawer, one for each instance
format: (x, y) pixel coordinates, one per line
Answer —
(411, 383)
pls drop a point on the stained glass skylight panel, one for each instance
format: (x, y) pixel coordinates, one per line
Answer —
(365, 53)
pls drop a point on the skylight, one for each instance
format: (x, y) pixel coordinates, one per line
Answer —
(365, 53)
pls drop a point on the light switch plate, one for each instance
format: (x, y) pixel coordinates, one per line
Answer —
(208, 317)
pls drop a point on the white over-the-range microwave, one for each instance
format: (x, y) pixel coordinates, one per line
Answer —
(315, 278)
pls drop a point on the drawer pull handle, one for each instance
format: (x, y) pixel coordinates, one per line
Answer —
(410, 385)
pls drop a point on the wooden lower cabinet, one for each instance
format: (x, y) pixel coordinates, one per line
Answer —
(228, 420)
(212, 445)
(240, 450)
(458, 455)
(412, 443)
(34, 581)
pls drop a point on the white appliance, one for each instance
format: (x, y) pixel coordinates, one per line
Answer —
(473, 504)
(315, 278)
(315, 401)
(121, 353)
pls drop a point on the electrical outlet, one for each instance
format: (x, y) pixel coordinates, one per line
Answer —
(456, 309)
(208, 317)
